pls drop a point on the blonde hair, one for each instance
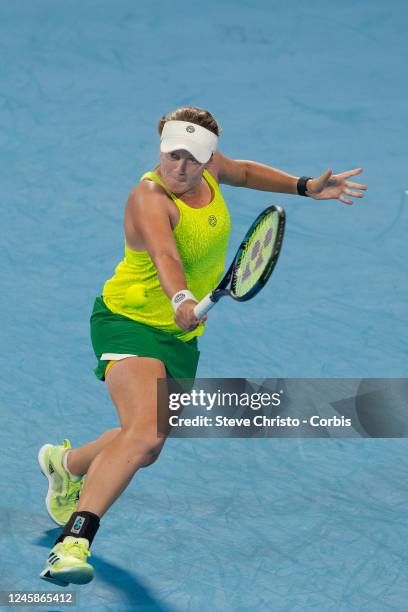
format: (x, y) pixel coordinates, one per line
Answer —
(193, 114)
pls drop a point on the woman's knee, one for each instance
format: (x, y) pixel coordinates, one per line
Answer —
(151, 456)
(146, 445)
(150, 459)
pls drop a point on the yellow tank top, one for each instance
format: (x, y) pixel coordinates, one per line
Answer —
(201, 236)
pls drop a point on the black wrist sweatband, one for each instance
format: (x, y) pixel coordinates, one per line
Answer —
(301, 185)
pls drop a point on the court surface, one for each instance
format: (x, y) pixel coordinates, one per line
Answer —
(278, 525)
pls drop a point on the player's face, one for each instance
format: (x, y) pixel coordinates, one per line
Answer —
(180, 170)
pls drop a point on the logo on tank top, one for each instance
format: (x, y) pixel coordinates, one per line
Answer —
(190, 128)
(212, 220)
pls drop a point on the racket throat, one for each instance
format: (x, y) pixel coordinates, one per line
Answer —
(218, 294)
(209, 301)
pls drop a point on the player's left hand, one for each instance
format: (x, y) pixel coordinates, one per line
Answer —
(331, 186)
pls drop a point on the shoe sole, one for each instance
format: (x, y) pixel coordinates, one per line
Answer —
(45, 575)
(41, 461)
(70, 575)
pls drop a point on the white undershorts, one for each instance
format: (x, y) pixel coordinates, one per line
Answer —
(115, 356)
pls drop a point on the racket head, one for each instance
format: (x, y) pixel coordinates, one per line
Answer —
(257, 254)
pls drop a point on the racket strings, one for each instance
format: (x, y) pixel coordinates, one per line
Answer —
(256, 255)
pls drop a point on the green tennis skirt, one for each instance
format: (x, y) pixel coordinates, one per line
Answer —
(114, 333)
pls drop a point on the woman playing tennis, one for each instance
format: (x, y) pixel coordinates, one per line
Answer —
(143, 326)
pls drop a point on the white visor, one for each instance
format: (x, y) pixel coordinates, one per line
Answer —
(198, 141)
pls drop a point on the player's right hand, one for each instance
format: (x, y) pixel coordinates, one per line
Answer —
(185, 317)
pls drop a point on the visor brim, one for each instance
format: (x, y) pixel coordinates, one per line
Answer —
(200, 153)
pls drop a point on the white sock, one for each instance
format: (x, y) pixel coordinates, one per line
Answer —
(73, 477)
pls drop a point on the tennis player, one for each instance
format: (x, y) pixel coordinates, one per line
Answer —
(143, 326)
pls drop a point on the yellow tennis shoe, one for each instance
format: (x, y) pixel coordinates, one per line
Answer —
(67, 563)
(63, 492)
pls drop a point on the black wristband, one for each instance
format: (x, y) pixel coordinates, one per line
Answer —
(301, 185)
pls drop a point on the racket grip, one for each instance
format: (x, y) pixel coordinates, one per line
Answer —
(204, 306)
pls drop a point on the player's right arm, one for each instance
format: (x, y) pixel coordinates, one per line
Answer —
(150, 216)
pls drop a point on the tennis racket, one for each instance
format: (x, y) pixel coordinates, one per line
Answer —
(254, 262)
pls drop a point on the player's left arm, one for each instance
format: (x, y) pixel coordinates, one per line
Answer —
(253, 175)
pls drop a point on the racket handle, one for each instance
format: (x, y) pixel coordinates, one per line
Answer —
(204, 306)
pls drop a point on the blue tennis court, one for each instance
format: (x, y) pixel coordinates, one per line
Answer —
(216, 524)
